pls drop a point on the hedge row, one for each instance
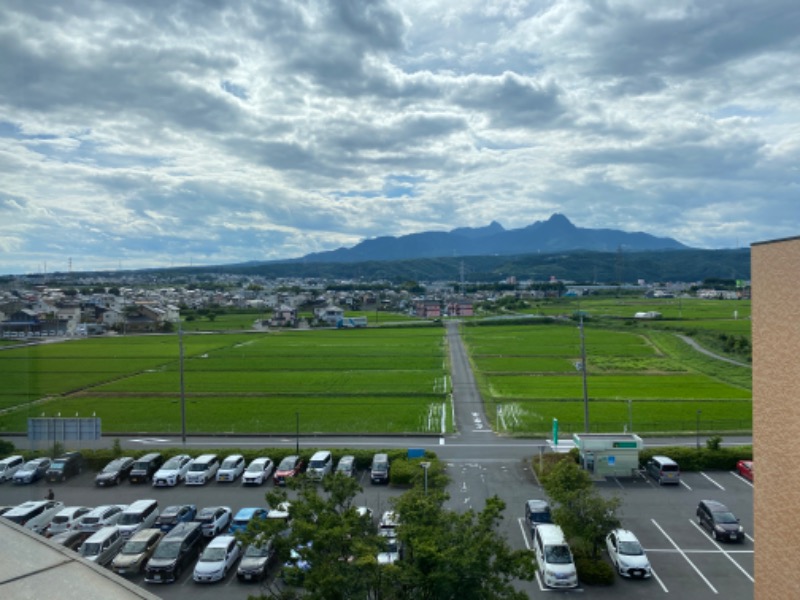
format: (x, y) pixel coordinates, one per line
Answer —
(692, 459)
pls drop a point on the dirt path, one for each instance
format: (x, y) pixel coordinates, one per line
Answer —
(699, 348)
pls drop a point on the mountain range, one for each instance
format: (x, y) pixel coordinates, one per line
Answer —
(556, 234)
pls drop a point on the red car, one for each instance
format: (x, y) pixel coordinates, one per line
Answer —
(745, 469)
(289, 467)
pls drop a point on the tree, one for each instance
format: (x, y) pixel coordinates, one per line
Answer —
(455, 555)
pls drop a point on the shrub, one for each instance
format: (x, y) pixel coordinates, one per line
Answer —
(6, 448)
(692, 459)
(594, 571)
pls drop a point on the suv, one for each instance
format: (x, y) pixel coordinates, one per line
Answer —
(145, 467)
(179, 547)
(102, 546)
(231, 468)
(35, 514)
(9, 466)
(321, 464)
(173, 471)
(32, 470)
(721, 522)
(379, 472)
(64, 467)
(537, 512)
(664, 470)
(114, 472)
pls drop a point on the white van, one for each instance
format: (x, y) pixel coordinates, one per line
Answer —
(102, 546)
(321, 464)
(554, 558)
(202, 469)
(142, 514)
(9, 466)
(35, 515)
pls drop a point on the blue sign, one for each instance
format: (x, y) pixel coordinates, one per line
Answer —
(611, 461)
(416, 453)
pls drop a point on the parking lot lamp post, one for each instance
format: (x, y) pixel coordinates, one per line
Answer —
(297, 435)
(699, 412)
(425, 466)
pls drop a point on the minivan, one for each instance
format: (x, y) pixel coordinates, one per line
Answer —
(134, 553)
(142, 514)
(379, 471)
(9, 466)
(175, 550)
(145, 467)
(102, 546)
(320, 465)
(35, 514)
(664, 470)
(537, 512)
(554, 557)
(64, 467)
(202, 469)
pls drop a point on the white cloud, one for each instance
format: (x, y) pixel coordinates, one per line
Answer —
(152, 134)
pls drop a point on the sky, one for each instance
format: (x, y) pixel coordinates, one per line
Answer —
(156, 133)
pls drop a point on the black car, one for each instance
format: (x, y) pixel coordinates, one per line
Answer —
(71, 539)
(172, 515)
(537, 512)
(114, 472)
(64, 467)
(176, 550)
(721, 522)
(255, 560)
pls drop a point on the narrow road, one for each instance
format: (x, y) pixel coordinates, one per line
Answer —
(470, 418)
(702, 350)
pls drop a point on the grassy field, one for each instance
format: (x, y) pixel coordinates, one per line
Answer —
(365, 380)
(639, 374)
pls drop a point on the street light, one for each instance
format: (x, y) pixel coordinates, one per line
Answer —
(699, 412)
(297, 438)
(425, 466)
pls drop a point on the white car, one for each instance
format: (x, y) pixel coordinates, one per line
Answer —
(102, 516)
(214, 519)
(231, 468)
(173, 471)
(66, 519)
(35, 514)
(258, 471)
(217, 559)
(202, 469)
(627, 554)
(392, 548)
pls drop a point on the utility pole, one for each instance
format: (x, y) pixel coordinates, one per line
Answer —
(183, 390)
(585, 387)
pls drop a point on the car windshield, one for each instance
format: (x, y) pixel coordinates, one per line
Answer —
(112, 467)
(170, 512)
(206, 516)
(167, 549)
(134, 547)
(725, 518)
(630, 549)
(90, 520)
(30, 466)
(380, 466)
(229, 464)
(557, 555)
(254, 551)
(213, 554)
(256, 468)
(57, 466)
(198, 467)
(129, 519)
(58, 519)
(540, 517)
(141, 466)
(90, 549)
(172, 463)
(287, 464)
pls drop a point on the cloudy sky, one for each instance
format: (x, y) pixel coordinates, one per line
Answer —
(153, 133)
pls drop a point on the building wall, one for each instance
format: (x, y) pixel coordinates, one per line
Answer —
(776, 416)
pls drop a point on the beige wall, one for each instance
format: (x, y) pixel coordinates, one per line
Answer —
(776, 417)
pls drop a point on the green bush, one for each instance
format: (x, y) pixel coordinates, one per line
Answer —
(692, 459)
(6, 448)
(409, 472)
(594, 571)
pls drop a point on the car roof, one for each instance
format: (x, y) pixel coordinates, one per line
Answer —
(261, 459)
(221, 541)
(247, 511)
(715, 505)
(625, 535)
(537, 504)
(144, 534)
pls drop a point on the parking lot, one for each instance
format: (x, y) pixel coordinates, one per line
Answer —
(686, 561)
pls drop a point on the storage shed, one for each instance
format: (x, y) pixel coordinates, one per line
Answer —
(604, 454)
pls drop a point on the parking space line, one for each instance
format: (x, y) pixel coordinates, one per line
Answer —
(521, 522)
(740, 478)
(658, 579)
(686, 558)
(712, 481)
(749, 538)
(686, 485)
(722, 550)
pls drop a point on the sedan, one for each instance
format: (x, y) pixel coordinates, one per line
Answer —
(32, 470)
(258, 471)
(172, 515)
(66, 519)
(291, 466)
(114, 472)
(173, 471)
(218, 557)
(745, 469)
(627, 554)
(214, 519)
